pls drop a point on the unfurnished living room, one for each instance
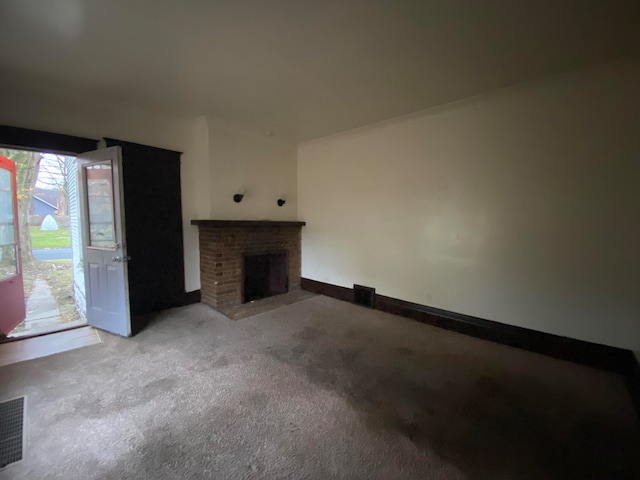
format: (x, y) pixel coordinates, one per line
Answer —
(320, 239)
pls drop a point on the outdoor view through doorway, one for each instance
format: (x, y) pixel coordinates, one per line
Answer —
(50, 241)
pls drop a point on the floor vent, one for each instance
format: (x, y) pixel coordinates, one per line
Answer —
(365, 296)
(11, 431)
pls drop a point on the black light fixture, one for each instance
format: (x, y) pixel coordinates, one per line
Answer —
(238, 197)
(281, 202)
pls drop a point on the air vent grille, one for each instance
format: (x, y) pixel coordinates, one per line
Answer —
(365, 296)
(11, 431)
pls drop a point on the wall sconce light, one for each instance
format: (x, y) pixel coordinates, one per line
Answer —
(238, 197)
(281, 201)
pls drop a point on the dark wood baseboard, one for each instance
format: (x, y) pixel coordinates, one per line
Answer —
(334, 291)
(564, 348)
(613, 359)
(192, 297)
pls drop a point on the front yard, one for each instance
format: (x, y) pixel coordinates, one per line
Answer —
(40, 239)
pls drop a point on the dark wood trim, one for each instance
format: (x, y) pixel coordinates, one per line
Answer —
(192, 297)
(153, 228)
(26, 139)
(246, 223)
(564, 348)
(155, 151)
(321, 288)
(578, 351)
(617, 360)
(41, 334)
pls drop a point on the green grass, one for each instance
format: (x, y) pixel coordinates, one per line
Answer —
(60, 238)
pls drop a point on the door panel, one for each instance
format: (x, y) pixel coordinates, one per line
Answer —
(103, 240)
(114, 297)
(12, 304)
(93, 286)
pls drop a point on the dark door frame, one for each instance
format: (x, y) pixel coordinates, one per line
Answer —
(46, 142)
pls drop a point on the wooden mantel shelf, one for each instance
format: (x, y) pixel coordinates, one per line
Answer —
(247, 223)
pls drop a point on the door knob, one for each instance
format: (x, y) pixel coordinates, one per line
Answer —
(116, 259)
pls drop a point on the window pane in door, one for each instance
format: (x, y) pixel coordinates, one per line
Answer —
(100, 205)
(5, 180)
(8, 258)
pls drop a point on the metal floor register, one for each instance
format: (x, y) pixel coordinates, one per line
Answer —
(11, 431)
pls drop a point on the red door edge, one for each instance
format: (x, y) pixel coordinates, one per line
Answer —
(12, 302)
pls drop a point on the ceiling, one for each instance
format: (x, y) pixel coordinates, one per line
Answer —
(304, 68)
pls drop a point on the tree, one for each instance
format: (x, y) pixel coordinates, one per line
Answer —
(27, 167)
(53, 173)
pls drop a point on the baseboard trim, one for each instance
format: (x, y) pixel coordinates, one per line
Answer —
(564, 348)
(192, 297)
(604, 357)
(334, 291)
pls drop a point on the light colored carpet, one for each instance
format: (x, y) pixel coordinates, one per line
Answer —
(244, 310)
(319, 389)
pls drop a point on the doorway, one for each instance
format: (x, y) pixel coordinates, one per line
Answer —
(150, 191)
(50, 242)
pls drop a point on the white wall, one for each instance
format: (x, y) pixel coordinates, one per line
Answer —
(218, 160)
(250, 162)
(520, 206)
(45, 109)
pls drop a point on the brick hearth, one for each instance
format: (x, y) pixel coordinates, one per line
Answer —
(223, 245)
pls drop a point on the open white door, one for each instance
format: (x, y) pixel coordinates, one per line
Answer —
(103, 240)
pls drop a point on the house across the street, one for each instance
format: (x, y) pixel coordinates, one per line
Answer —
(41, 208)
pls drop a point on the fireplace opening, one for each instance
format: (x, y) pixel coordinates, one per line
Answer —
(265, 275)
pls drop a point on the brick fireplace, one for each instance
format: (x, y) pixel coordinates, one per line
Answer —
(232, 249)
